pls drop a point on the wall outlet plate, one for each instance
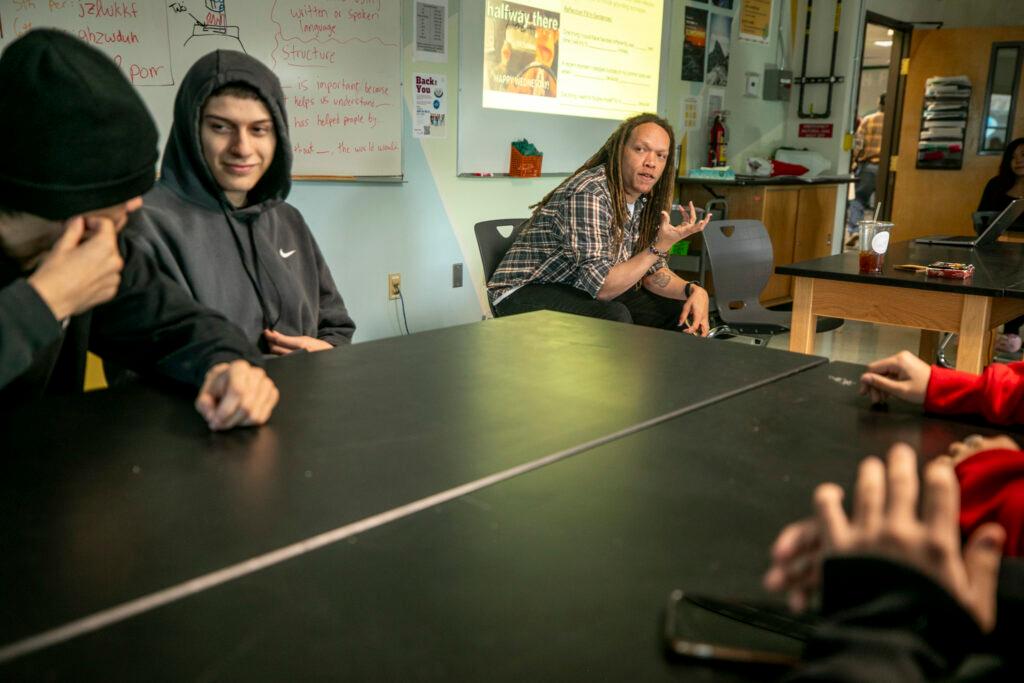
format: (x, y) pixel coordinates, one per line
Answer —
(752, 84)
(456, 275)
(394, 285)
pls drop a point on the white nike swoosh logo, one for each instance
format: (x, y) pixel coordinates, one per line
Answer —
(285, 254)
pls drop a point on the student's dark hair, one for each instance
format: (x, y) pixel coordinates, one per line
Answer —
(610, 155)
(1006, 178)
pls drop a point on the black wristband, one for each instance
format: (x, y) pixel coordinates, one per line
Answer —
(688, 289)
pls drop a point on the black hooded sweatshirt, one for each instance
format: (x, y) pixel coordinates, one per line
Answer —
(258, 265)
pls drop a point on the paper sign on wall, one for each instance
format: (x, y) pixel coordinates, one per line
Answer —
(755, 20)
(430, 101)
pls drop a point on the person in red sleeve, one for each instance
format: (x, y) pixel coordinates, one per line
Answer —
(997, 394)
(990, 470)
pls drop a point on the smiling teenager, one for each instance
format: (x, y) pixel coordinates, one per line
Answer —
(217, 221)
(597, 244)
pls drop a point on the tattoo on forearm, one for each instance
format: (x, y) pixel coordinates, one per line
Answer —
(661, 279)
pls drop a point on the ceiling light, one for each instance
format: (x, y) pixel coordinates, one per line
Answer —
(883, 43)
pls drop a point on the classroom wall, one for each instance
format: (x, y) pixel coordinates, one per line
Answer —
(422, 226)
(756, 127)
(419, 227)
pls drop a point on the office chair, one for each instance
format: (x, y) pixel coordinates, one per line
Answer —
(741, 259)
(493, 245)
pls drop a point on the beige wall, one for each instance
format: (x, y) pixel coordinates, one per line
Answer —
(933, 201)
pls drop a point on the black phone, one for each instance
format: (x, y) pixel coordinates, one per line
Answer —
(703, 627)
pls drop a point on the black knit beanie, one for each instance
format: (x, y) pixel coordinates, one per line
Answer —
(78, 136)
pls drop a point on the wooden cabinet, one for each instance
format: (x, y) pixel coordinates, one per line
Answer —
(799, 219)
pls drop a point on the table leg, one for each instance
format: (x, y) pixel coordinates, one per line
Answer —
(803, 322)
(975, 324)
(928, 347)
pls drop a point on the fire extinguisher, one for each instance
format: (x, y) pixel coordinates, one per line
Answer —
(716, 143)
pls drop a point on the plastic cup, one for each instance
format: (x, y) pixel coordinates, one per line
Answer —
(874, 242)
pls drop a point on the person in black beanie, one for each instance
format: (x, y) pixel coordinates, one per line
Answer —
(82, 153)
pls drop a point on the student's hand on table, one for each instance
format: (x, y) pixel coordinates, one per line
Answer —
(885, 523)
(695, 312)
(975, 443)
(236, 394)
(283, 344)
(796, 563)
(669, 234)
(904, 376)
(82, 269)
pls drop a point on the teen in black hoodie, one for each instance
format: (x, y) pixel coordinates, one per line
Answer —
(217, 221)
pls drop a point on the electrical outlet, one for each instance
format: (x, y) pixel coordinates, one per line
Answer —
(456, 275)
(394, 285)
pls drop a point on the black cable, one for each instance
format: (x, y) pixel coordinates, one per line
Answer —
(401, 300)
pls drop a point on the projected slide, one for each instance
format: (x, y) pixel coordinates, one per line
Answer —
(592, 58)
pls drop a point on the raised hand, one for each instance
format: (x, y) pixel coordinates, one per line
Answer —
(82, 270)
(669, 234)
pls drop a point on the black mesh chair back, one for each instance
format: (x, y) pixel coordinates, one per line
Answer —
(493, 244)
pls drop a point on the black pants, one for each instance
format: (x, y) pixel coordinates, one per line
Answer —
(637, 306)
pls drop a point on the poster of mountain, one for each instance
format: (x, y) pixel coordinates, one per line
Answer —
(719, 31)
(695, 31)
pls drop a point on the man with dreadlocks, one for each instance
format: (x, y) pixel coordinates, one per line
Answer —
(597, 244)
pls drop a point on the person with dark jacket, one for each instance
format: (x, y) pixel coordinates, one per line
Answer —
(217, 221)
(81, 151)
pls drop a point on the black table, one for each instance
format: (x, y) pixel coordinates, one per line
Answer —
(833, 286)
(559, 574)
(112, 496)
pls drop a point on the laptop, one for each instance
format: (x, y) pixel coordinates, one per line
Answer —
(997, 227)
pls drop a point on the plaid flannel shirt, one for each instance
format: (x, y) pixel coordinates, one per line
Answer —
(569, 241)
(868, 140)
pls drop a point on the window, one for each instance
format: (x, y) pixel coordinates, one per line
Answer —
(1000, 97)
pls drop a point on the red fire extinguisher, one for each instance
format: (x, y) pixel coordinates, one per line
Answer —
(716, 143)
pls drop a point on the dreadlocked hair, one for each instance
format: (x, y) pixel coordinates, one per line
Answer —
(610, 155)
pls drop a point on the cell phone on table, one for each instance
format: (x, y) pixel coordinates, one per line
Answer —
(711, 629)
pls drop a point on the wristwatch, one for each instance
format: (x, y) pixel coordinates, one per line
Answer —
(689, 287)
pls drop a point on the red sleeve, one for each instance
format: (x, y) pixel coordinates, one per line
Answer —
(992, 490)
(997, 394)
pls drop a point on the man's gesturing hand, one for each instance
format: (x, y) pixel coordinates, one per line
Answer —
(669, 234)
(236, 394)
(81, 271)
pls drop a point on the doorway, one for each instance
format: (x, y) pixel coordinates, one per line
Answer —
(879, 100)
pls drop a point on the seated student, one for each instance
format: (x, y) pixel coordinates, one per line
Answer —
(596, 245)
(217, 221)
(1006, 186)
(901, 600)
(81, 149)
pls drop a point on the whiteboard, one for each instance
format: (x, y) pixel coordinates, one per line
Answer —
(339, 62)
(485, 134)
